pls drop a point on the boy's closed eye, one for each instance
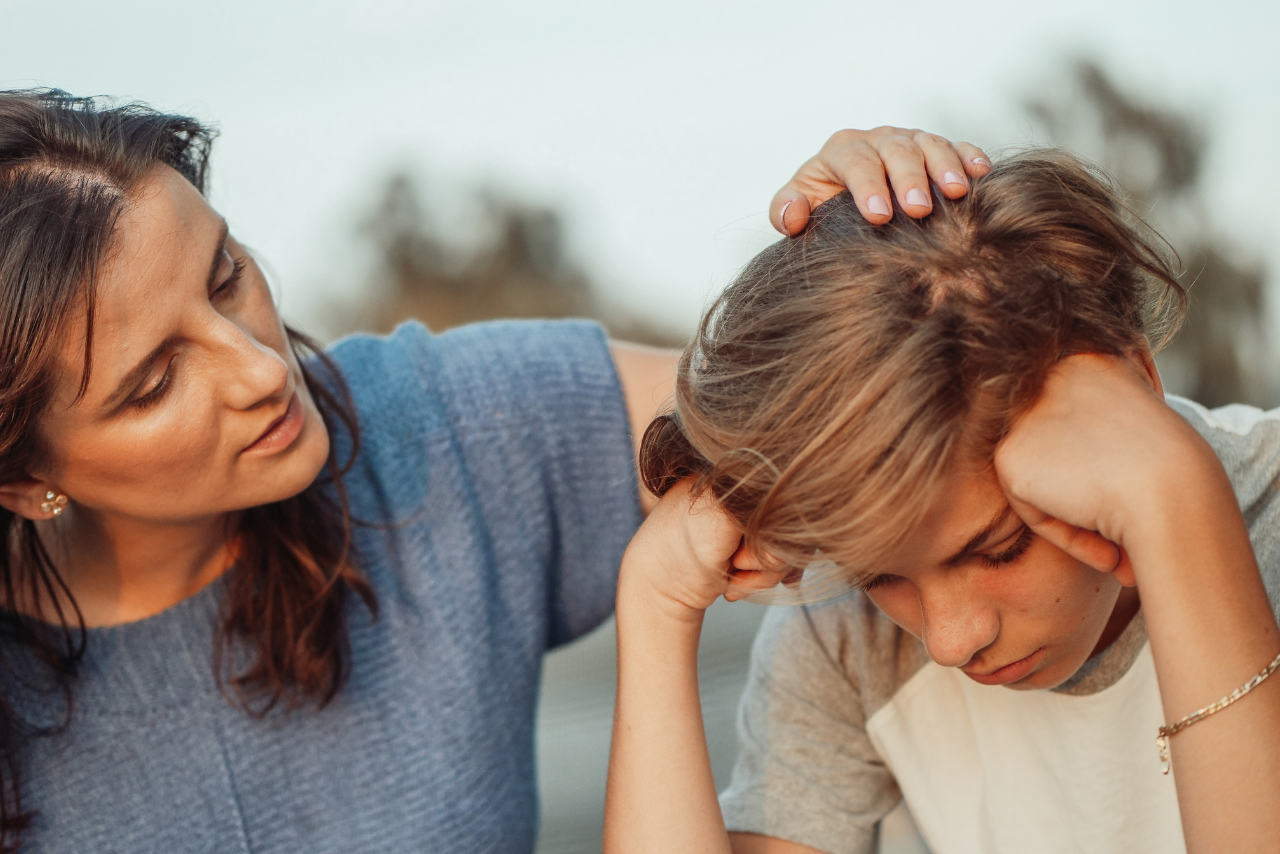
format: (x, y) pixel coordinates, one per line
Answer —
(1007, 551)
(1016, 547)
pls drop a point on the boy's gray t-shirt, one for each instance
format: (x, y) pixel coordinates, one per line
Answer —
(844, 714)
(497, 473)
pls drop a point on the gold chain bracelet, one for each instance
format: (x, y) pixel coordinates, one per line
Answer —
(1162, 740)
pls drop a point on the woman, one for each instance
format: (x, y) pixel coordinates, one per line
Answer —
(374, 545)
(963, 416)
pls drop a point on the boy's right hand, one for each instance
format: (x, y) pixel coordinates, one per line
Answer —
(687, 554)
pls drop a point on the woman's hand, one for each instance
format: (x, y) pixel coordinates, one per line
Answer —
(688, 553)
(868, 162)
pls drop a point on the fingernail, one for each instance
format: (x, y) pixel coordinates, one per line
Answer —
(954, 177)
(879, 205)
(981, 161)
(782, 219)
(916, 196)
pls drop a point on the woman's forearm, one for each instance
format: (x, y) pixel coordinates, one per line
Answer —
(1212, 628)
(661, 794)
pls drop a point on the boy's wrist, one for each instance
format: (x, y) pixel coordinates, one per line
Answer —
(639, 596)
(1183, 479)
(1189, 506)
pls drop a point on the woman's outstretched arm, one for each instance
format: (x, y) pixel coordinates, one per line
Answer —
(1101, 459)
(661, 794)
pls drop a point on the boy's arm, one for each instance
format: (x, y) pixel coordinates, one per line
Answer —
(661, 795)
(802, 735)
(1102, 461)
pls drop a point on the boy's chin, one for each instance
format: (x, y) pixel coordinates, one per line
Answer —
(1052, 673)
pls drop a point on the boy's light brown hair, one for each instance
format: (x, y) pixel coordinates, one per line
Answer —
(835, 382)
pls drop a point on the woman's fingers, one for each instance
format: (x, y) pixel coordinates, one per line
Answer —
(858, 166)
(904, 163)
(789, 210)
(847, 160)
(877, 166)
(943, 164)
(976, 162)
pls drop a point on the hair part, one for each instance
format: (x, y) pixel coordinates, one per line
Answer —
(67, 168)
(846, 371)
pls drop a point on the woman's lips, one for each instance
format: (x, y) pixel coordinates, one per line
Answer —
(282, 432)
(1010, 672)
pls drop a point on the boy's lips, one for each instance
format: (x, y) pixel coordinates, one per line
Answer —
(1010, 672)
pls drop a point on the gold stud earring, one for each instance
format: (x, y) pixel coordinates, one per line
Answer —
(54, 503)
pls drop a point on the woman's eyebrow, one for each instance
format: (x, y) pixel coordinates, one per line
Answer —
(979, 539)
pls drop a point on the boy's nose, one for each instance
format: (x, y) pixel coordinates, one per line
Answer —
(956, 628)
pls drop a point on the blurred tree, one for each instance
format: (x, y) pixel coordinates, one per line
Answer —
(1157, 154)
(512, 264)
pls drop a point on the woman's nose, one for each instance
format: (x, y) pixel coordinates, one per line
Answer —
(956, 626)
(254, 372)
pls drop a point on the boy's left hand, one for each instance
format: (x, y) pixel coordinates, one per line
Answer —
(1092, 458)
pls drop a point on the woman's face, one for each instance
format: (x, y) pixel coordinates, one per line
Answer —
(196, 405)
(986, 595)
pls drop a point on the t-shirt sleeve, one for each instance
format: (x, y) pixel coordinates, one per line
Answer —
(509, 441)
(806, 770)
(1247, 441)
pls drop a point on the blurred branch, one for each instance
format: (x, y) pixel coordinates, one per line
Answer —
(1157, 153)
(513, 264)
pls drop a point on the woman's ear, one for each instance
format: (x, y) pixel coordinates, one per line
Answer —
(30, 499)
(1146, 365)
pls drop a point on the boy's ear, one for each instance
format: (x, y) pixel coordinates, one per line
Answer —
(1146, 365)
(24, 497)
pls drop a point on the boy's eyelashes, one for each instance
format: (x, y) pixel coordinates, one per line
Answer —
(1007, 555)
(872, 583)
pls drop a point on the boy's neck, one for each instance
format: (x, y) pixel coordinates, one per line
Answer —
(1121, 615)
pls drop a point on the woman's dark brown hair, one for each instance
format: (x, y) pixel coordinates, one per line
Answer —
(67, 167)
(838, 379)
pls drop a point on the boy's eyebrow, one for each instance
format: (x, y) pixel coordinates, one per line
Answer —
(978, 539)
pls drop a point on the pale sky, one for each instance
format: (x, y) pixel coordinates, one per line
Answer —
(662, 128)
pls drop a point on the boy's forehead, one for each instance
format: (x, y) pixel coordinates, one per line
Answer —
(966, 504)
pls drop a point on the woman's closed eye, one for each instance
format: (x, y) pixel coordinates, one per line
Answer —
(157, 391)
(231, 282)
(1011, 553)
